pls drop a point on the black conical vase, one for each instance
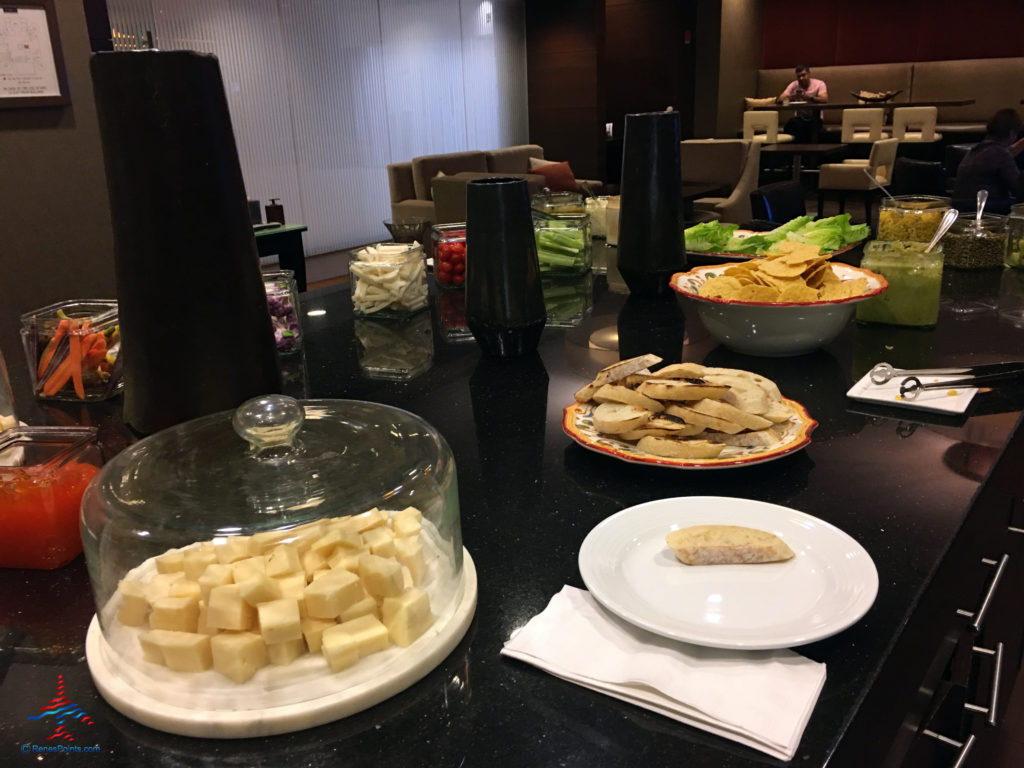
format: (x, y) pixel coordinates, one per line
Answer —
(504, 297)
(196, 334)
(650, 210)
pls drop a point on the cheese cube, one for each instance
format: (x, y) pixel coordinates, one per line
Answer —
(406, 616)
(180, 614)
(332, 593)
(152, 649)
(368, 632)
(380, 541)
(318, 573)
(285, 653)
(407, 582)
(302, 538)
(381, 577)
(186, 588)
(226, 609)
(194, 562)
(371, 518)
(248, 568)
(348, 533)
(186, 651)
(279, 621)
(312, 562)
(134, 604)
(347, 559)
(237, 655)
(215, 575)
(171, 561)
(283, 560)
(411, 513)
(409, 552)
(259, 589)
(405, 526)
(160, 585)
(407, 522)
(230, 549)
(201, 626)
(293, 585)
(340, 649)
(312, 631)
(365, 607)
(261, 542)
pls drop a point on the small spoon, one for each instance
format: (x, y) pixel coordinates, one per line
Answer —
(947, 221)
(982, 199)
(877, 184)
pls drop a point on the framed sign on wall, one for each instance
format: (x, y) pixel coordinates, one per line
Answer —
(32, 70)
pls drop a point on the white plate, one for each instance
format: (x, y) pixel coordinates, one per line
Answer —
(952, 400)
(630, 570)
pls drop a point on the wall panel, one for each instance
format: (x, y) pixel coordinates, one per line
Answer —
(323, 94)
(878, 31)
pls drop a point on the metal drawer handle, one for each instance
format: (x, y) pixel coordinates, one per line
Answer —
(997, 672)
(964, 747)
(1012, 529)
(979, 615)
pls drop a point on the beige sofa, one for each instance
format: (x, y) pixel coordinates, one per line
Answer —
(417, 189)
(992, 83)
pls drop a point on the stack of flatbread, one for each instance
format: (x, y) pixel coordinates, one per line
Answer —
(685, 410)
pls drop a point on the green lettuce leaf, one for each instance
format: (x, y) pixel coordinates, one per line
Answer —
(708, 236)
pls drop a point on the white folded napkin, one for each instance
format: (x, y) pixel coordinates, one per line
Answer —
(759, 698)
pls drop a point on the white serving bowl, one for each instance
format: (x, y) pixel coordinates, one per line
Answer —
(774, 329)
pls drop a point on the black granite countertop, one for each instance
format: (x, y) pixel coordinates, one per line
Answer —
(898, 482)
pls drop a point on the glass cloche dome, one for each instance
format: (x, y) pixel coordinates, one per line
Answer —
(274, 568)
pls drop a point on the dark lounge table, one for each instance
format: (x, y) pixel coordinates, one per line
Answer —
(798, 151)
(285, 242)
(899, 482)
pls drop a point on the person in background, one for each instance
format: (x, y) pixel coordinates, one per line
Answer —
(991, 165)
(806, 123)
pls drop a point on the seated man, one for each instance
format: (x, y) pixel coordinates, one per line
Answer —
(805, 125)
(991, 165)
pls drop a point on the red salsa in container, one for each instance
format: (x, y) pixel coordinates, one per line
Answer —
(43, 473)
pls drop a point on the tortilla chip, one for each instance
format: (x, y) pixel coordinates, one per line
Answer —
(761, 293)
(721, 288)
(798, 292)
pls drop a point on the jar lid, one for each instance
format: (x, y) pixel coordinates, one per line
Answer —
(388, 252)
(967, 222)
(272, 463)
(46, 449)
(917, 202)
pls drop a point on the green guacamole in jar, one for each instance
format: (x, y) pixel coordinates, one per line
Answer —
(915, 281)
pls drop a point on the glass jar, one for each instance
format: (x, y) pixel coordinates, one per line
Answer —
(389, 280)
(218, 527)
(1015, 238)
(395, 351)
(8, 418)
(597, 209)
(976, 245)
(911, 217)
(568, 300)
(612, 220)
(451, 313)
(558, 202)
(72, 350)
(915, 283)
(43, 473)
(449, 249)
(283, 304)
(563, 242)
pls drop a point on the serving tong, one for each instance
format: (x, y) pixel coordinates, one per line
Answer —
(976, 375)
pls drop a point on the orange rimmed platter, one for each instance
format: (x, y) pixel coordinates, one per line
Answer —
(578, 424)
